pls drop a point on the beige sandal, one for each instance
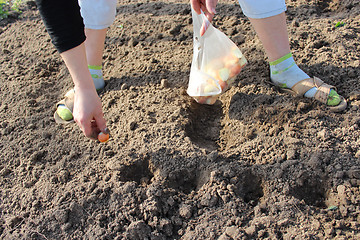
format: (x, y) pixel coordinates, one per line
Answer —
(68, 102)
(322, 93)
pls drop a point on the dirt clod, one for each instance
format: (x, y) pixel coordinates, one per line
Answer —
(258, 164)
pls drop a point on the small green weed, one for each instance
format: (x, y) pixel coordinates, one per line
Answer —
(16, 5)
(3, 12)
(7, 5)
(339, 24)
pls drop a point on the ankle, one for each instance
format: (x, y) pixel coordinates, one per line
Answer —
(97, 76)
(285, 72)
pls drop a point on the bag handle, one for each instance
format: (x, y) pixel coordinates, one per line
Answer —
(200, 21)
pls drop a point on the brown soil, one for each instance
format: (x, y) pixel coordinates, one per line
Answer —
(257, 164)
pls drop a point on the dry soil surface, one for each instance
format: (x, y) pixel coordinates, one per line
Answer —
(256, 164)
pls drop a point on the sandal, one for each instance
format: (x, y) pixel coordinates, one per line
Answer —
(322, 94)
(65, 108)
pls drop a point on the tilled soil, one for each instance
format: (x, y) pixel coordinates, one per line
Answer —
(257, 164)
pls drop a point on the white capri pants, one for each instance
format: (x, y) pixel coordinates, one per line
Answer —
(262, 8)
(98, 14)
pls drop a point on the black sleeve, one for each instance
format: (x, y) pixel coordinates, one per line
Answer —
(63, 22)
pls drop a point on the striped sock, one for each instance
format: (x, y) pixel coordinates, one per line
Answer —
(97, 76)
(285, 73)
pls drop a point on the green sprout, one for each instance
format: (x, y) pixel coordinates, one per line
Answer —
(339, 24)
(332, 208)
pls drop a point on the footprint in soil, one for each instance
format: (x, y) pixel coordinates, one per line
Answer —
(188, 180)
(204, 124)
(140, 170)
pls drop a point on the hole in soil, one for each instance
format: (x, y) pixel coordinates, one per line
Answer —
(204, 124)
(310, 189)
(187, 181)
(139, 171)
(322, 5)
(253, 190)
(250, 188)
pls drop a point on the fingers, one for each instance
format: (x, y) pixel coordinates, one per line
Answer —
(88, 113)
(196, 6)
(92, 128)
(106, 130)
(209, 16)
(204, 27)
(89, 128)
(207, 6)
(210, 6)
(101, 124)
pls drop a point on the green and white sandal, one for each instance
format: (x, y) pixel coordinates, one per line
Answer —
(324, 93)
(64, 108)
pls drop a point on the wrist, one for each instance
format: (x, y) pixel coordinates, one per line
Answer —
(82, 87)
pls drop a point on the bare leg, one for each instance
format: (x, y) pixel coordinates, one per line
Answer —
(273, 34)
(94, 45)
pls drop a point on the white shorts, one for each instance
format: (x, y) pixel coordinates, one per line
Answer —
(262, 8)
(98, 14)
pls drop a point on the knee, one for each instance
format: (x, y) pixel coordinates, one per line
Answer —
(98, 14)
(262, 8)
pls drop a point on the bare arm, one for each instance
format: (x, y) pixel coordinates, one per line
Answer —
(68, 36)
(87, 106)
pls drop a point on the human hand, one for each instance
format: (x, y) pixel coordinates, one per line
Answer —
(208, 7)
(88, 112)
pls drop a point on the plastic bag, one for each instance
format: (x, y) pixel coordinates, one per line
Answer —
(216, 62)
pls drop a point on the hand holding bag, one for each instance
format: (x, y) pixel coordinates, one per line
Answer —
(216, 62)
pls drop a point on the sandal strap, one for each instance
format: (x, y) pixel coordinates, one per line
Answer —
(323, 89)
(68, 100)
(323, 92)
